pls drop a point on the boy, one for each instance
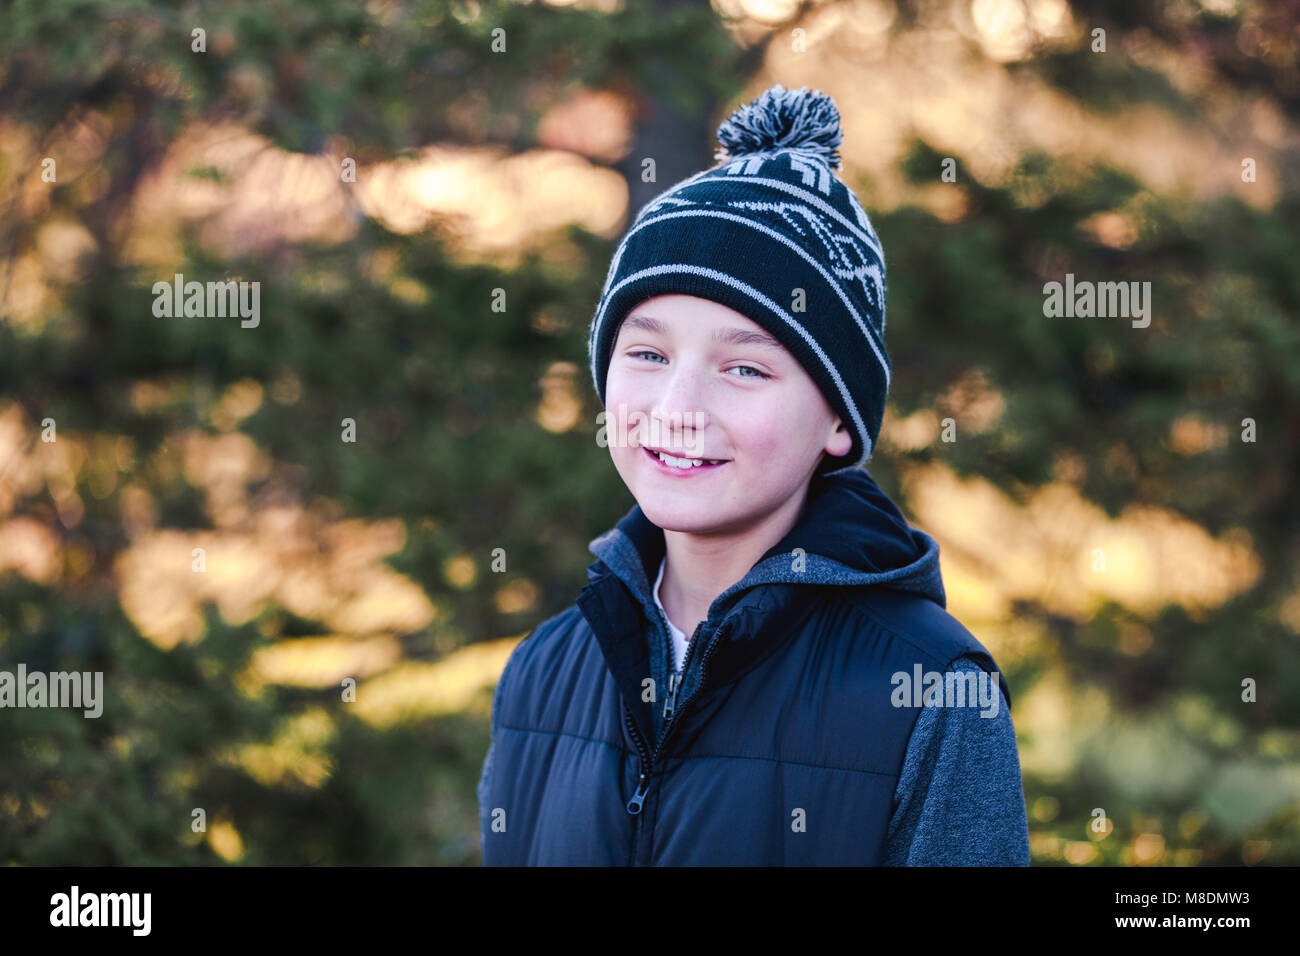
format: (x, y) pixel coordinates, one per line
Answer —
(760, 670)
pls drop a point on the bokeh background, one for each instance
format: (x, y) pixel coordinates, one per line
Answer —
(1171, 157)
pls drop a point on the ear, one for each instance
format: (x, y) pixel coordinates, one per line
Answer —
(838, 440)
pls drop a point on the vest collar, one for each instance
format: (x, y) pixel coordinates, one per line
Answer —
(849, 533)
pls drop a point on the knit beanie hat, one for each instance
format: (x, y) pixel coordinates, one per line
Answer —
(771, 232)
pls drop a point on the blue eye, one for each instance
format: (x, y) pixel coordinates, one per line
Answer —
(757, 373)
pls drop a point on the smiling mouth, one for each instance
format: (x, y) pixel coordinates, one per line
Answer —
(683, 464)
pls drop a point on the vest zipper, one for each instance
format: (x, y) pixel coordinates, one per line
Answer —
(635, 804)
(643, 783)
(674, 684)
(704, 671)
(676, 678)
(638, 798)
(674, 681)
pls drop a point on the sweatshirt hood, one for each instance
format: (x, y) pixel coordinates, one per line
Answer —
(850, 532)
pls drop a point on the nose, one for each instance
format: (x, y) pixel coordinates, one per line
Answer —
(679, 414)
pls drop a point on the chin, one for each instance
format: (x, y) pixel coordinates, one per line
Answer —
(680, 515)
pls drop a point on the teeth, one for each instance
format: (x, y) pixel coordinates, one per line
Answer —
(681, 462)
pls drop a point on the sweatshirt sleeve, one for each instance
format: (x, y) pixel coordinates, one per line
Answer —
(960, 800)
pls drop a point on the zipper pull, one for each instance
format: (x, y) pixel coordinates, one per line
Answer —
(638, 798)
(674, 682)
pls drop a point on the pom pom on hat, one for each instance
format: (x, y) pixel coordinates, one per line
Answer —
(803, 120)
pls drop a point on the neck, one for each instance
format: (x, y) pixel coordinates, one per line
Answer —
(699, 567)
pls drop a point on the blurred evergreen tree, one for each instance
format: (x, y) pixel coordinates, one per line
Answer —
(445, 393)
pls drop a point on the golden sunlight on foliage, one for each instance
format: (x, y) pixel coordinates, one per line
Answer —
(299, 749)
(319, 571)
(29, 465)
(593, 123)
(242, 192)
(1118, 230)
(1289, 613)
(315, 567)
(1010, 29)
(1063, 552)
(1063, 715)
(460, 571)
(909, 433)
(245, 195)
(225, 841)
(560, 407)
(1191, 435)
(222, 465)
(414, 691)
(27, 280)
(324, 661)
(29, 548)
(970, 401)
(517, 597)
(239, 401)
(924, 81)
(490, 205)
(1080, 852)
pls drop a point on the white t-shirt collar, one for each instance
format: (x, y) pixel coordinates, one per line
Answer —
(678, 635)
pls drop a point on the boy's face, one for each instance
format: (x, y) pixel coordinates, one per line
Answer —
(673, 386)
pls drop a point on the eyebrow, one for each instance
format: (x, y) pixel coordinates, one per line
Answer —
(731, 336)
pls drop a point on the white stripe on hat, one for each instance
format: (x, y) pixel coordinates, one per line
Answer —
(813, 200)
(867, 332)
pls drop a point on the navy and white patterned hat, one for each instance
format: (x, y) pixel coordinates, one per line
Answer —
(768, 220)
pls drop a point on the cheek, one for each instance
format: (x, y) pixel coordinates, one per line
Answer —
(767, 426)
(628, 389)
(624, 396)
(626, 402)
